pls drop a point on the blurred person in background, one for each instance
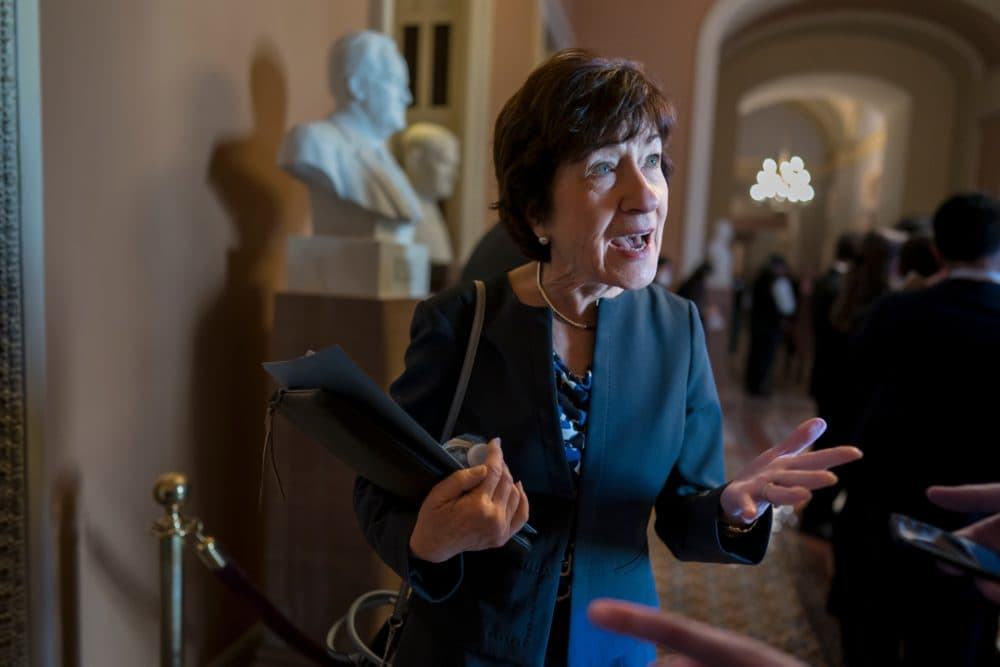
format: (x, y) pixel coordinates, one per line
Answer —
(829, 358)
(924, 364)
(919, 263)
(664, 272)
(772, 303)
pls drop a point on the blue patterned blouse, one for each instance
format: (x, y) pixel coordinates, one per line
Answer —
(573, 394)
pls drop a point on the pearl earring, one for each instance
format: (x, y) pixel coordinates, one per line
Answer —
(544, 240)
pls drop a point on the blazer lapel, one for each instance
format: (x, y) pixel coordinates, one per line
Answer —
(522, 336)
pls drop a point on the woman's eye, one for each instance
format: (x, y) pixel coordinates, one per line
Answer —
(601, 169)
(653, 160)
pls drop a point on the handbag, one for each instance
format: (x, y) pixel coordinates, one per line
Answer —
(394, 624)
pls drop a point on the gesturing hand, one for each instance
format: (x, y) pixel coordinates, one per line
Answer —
(975, 498)
(782, 475)
(470, 510)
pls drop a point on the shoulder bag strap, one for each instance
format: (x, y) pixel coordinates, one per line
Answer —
(470, 358)
(402, 598)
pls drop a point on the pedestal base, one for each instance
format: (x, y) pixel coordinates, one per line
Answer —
(354, 267)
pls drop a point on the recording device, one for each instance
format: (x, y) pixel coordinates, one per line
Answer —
(960, 552)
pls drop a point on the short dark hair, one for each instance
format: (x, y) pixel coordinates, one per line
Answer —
(572, 104)
(967, 227)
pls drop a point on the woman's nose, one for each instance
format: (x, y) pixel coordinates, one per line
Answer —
(642, 194)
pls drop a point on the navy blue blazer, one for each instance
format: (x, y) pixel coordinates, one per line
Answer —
(654, 439)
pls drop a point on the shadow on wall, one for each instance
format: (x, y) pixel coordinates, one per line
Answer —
(230, 390)
(65, 503)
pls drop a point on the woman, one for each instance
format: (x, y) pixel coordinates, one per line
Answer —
(605, 411)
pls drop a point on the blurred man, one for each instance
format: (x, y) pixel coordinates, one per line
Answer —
(924, 362)
(773, 302)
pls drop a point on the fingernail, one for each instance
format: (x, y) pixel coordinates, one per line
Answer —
(477, 454)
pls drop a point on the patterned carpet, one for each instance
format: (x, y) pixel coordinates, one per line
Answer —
(781, 600)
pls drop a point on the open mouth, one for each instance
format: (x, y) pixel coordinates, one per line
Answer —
(633, 243)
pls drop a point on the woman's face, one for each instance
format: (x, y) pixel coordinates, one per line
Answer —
(607, 217)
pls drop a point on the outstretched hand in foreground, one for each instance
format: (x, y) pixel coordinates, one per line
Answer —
(975, 498)
(702, 645)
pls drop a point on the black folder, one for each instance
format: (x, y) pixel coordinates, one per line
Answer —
(329, 398)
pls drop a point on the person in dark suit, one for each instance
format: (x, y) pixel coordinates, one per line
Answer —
(829, 358)
(695, 288)
(924, 362)
(494, 254)
(772, 303)
(604, 412)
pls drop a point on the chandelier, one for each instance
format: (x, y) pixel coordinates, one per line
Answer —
(788, 181)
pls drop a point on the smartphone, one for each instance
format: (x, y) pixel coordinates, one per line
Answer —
(961, 552)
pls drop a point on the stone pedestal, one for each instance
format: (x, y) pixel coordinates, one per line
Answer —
(317, 561)
(357, 267)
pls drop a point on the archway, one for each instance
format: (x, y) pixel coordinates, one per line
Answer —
(728, 17)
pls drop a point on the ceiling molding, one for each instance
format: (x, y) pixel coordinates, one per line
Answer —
(883, 95)
(833, 21)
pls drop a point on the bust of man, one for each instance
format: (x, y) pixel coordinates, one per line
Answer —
(356, 188)
(721, 257)
(431, 157)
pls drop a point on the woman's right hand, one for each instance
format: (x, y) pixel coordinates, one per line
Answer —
(470, 510)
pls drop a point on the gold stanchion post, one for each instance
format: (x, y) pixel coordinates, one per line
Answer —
(170, 491)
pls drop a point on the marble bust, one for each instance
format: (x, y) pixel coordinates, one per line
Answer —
(363, 206)
(356, 187)
(431, 159)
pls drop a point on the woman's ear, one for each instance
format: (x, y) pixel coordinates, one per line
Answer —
(356, 88)
(541, 233)
(537, 227)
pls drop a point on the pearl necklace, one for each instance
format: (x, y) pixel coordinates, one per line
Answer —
(545, 297)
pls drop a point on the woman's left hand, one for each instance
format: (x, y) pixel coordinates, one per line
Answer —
(782, 475)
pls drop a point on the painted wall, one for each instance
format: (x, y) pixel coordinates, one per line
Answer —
(517, 41)
(165, 221)
(663, 36)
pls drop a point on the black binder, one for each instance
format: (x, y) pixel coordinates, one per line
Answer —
(327, 397)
